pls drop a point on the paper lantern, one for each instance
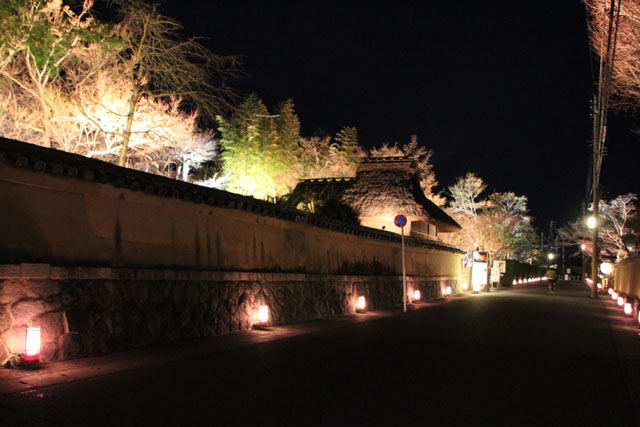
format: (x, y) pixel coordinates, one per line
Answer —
(32, 344)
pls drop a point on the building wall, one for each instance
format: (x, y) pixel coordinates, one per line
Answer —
(627, 277)
(106, 258)
(61, 221)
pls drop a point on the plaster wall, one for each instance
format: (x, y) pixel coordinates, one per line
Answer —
(627, 276)
(60, 221)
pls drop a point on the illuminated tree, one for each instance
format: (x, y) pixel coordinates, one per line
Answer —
(626, 66)
(37, 40)
(619, 231)
(326, 157)
(428, 180)
(67, 82)
(163, 138)
(498, 224)
(161, 65)
(328, 204)
(260, 151)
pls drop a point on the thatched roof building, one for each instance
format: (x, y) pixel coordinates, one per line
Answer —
(383, 188)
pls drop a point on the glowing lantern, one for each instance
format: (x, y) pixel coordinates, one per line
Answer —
(620, 301)
(606, 268)
(448, 290)
(263, 314)
(599, 285)
(416, 295)
(465, 286)
(361, 303)
(627, 309)
(32, 344)
(614, 295)
(519, 281)
(610, 291)
(515, 282)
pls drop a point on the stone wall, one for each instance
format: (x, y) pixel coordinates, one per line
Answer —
(90, 311)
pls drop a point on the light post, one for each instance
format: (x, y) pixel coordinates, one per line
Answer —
(593, 224)
(583, 247)
(606, 268)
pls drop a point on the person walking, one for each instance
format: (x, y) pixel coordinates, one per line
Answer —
(552, 277)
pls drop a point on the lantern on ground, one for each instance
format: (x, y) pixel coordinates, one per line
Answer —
(416, 295)
(620, 301)
(361, 303)
(32, 345)
(519, 281)
(448, 290)
(610, 291)
(263, 315)
(614, 295)
(465, 286)
(628, 310)
(515, 282)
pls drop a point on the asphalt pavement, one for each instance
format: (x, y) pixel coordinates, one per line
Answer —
(511, 357)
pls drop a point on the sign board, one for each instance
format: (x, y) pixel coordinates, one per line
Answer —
(479, 256)
(495, 275)
(501, 265)
(400, 220)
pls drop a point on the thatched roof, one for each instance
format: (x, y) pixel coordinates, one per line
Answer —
(384, 186)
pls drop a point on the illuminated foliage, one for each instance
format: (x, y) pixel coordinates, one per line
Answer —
(326, 157)
(37, 40)
(132, 93)
(498, 224)
(160, 64)
(328, 204)
(260, 151)
(626, 66)
(427, 176)
(619, 232)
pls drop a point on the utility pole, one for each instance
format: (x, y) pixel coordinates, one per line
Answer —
(600, 109)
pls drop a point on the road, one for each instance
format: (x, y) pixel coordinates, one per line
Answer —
(514, 357)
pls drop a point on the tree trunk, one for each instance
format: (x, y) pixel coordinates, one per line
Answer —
(126, 136)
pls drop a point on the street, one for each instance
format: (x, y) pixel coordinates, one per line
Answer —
(512, 357)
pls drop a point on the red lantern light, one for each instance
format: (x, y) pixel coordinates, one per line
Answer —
(610, 291)
(361, 303)
(628, 310)
(416, 295)
(32, 344)
(614, 295)
(620, 301)
(263, 315)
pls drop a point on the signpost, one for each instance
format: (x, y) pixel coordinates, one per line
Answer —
(401, 221)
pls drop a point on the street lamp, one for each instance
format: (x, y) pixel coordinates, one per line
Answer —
(591, 222)
(550, 256)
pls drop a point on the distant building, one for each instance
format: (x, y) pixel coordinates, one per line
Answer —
(383, 188)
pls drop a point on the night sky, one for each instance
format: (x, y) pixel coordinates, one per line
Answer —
(499, 88)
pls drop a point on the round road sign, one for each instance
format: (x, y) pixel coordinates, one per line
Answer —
(400, 220)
